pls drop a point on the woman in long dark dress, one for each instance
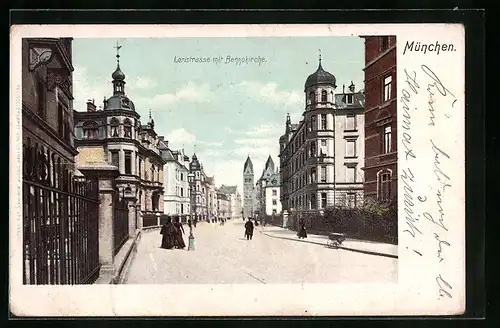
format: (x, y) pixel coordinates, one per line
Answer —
(302, 231)
(179, 241)
(168, 232)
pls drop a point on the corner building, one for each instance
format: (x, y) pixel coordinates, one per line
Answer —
(114, 134)
(380, 119)
(322, 155)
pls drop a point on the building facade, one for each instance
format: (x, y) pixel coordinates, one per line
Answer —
(47, 97)
(272, 195)
(264, 189)
(248, 188)
(223, 204)
(234, 197)
(176, 185)
(321, 157)
(380, 165)
(114, 134)
(211, 196)
(197, 189)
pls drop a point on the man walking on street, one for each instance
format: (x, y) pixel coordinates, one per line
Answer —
(249, 229)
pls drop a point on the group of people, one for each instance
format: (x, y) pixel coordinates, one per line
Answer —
(172, 234)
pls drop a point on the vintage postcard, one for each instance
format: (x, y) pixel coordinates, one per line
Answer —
(237, 170)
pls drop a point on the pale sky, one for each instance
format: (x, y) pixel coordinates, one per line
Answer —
(227, 110)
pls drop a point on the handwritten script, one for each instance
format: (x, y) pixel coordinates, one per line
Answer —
(426, 218)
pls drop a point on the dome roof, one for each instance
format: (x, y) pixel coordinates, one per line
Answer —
(118, 75)
(119, 101)
(320, 77)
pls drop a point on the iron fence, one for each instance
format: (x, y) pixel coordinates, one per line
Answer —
(120, 223)
(60, 221)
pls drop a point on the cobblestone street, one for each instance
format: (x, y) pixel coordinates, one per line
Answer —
(223, 256)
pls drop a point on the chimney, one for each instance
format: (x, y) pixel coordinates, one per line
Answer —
(91, 106)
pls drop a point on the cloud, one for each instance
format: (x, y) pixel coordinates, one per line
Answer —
(85, 88)
(211, 143)
(190, 92)
(269, 93)
(142, 82)
(265, 130)
(180, 137)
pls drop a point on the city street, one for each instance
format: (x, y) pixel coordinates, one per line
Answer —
(223, 256)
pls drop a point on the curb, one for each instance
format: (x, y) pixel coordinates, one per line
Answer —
(119, 277)
(340, 247)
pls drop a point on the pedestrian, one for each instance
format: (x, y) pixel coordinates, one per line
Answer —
(168, 232)
(302, 231)
(195, 220)
(249, 229)
(190, 224)
(179, 241)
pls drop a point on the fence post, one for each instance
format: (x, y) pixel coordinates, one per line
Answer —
(105, 176)
(285, 218)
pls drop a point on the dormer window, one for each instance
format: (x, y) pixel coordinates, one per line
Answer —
(324, 96)
(312, 97)
(349, 98)
(127, 128)
(90, 130)
(114, 124)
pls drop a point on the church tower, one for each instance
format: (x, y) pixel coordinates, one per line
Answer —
(248, 191)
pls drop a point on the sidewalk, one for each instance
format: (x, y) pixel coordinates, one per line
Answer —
(354, 245)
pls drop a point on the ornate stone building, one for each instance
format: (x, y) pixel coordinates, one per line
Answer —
(321, 156)
(381, 171)
(114, 134)
(248, 188)
(264, 200)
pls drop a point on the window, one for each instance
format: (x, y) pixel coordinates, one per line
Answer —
(350, 148)
(323, 121)
(314, 124)
(311, 100)
(350, 122)
(182, 176)
(386, 144)
(323, 200)
(274, 202)
(313, 202)
(115, 159)
(140, 167)
(350, 174)
(182, 192)
(384, 44)
(152, 173)
(41, 95)
(127, 128)
(384, 185)
(128, 162)
(323, 147)
(90, 130)
(349, 98)
(323, 96)
(274, 211)
(60, 120)
(114, 123)
(312, 149)
(313, 175)
(323, 174)
(351, 200)
(387, 88)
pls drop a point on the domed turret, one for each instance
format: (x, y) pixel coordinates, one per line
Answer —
(118, 75)
(320, 77)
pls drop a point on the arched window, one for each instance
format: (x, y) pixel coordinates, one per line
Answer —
(323, 96)
(384, 178)
(114, 124)
(90, 130)
(312, 97)
(152, 173)
(312, 149)
(127, 128)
